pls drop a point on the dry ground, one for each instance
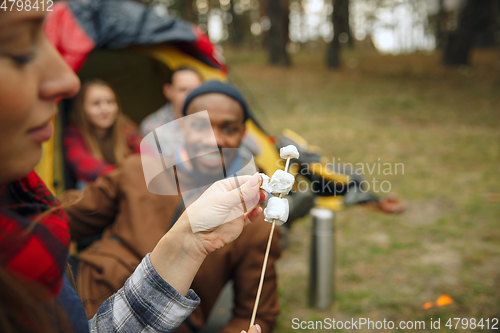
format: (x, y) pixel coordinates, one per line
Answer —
(444, 126)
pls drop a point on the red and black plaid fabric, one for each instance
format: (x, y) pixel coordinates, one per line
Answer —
(84, 166)
(32, 245)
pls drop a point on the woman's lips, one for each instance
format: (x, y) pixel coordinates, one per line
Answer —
(41, 133)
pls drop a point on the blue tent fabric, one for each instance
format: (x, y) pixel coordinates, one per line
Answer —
(114, 24)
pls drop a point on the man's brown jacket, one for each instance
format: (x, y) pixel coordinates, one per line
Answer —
(134, 220)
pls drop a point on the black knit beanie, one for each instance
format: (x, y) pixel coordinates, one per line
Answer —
(214, 86)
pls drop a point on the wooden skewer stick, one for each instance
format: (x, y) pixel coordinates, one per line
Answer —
(264, 266)
(257, 299)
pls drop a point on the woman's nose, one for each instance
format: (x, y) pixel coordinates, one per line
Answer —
(57, 80)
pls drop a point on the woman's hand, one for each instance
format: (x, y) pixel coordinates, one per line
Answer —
(212, 221)
(254, 329)
(219, 215)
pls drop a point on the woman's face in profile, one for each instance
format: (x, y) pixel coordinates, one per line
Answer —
(32, 76)
(100, 106)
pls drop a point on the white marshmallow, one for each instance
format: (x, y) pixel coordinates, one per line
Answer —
(281, 182)
(277, 209)
(266, 186)
(289, 151)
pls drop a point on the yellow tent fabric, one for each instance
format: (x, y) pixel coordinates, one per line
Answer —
(45, 168)
(174, 58)
(268, 153)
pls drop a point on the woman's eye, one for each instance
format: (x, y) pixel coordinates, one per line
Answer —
(23, 59)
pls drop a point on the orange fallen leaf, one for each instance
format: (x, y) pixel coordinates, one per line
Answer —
(427, 305)
(444, 300)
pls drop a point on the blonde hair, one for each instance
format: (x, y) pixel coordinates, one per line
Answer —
(111, 148)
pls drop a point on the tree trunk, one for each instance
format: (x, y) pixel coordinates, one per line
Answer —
(346, 24)
(340, 20)
(278, 35)
(440, 25)
(186, 10)
(487, 28)
(235, 27)
(286, 21)
(460, 41)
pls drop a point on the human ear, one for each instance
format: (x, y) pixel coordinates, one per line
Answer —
(167, 87)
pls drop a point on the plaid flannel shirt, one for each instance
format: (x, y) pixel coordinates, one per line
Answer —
(39, 252)
(84, 166)
(146, 303)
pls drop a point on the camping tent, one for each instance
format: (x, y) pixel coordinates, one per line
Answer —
(128, 45)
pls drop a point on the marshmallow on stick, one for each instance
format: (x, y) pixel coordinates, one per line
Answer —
(289, 151)
(277, 207)
(280, 183)
(266, 186)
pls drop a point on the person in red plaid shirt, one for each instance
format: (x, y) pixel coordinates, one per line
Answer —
(101, 137)
(34, 234)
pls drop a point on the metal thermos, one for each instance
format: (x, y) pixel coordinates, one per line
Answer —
(322, 256)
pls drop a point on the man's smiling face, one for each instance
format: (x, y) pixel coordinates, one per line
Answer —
(227, 123)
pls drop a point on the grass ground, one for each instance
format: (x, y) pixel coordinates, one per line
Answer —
(444, 126)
